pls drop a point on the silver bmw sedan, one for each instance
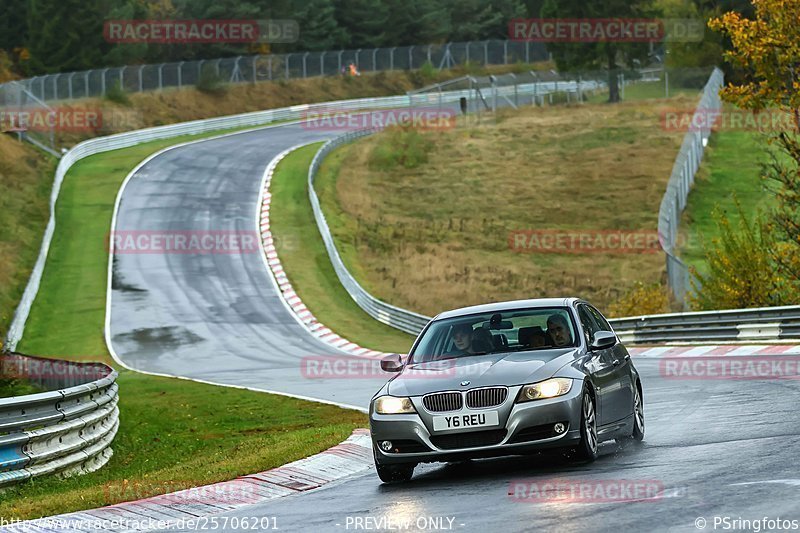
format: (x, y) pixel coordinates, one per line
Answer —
(506, 378)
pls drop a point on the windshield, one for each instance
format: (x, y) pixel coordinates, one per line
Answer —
(479, 334)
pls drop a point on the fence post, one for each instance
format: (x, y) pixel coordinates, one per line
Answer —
(429, 54)
(254, 64)
(161, 77)
(666, 83)
(358, 63)
(121, 78)
(141, 85)
(55, 86)
(410, 58)
(269, 66)
(286, 65)
(340, 60)
(494, 95)
(180, 77)
(505, 52)
(305, 69)
(466, 54)
(199, 70)
(527, 52)
(391, 57)
(103, 81)
(216, 67)
(375, 59)
(322, 64)
(69, 80)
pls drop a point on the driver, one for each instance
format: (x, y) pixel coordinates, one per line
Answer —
(558, 329)
(462, 338)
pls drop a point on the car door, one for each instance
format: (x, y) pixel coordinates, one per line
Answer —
(620, 392)
(600, 366)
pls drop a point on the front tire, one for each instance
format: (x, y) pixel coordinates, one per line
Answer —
(393, 473)
(638, 415)
(587, 447)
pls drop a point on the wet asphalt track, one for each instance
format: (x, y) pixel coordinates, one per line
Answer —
(218, 318)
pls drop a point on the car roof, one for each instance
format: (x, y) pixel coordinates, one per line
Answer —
(507, 306)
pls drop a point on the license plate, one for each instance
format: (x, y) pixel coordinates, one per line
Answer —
(466, 420)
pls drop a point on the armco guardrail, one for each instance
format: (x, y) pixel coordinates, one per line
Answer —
(765, 324)
(258, 118)
(68, 430)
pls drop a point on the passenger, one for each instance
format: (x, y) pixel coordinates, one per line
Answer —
(558, 330)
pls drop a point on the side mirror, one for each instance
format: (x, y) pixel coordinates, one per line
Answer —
(392, 363)
(603, 340)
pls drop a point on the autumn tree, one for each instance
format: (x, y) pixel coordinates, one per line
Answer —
(766, 53)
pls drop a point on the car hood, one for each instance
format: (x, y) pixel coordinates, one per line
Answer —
(513, 368)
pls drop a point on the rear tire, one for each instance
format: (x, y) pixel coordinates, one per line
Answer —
(587, 447)
(393, 473)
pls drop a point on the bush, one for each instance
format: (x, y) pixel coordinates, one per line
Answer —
(642, 300)
(210, 83)
(427, 71)
(117, 94)
(741, 270)
(401, 146)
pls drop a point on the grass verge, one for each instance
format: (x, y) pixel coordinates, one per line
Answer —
(306, 261)
(173, 433)
(26, 178)
(731, 169)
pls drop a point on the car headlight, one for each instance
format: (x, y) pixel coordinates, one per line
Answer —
(545, 389)
(392, 405)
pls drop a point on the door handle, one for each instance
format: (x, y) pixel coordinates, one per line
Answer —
(617, 362)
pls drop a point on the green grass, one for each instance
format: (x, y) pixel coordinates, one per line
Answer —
(644, 91)
(26, 177)
(730, 169)
(16, 387)
(306, 261)
(173, 432)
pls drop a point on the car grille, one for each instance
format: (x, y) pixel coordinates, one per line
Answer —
(479, 398)
(443, 401)
(468, 440)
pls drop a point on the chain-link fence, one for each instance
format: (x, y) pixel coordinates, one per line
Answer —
(139, 78)
(680, 182)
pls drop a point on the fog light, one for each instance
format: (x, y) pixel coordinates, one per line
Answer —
(559, 428)
(386, 445)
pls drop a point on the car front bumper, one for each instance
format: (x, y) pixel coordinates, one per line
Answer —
(524, 428)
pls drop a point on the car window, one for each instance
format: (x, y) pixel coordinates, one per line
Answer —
(588, 324)
(517, 330)
(600, 319)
